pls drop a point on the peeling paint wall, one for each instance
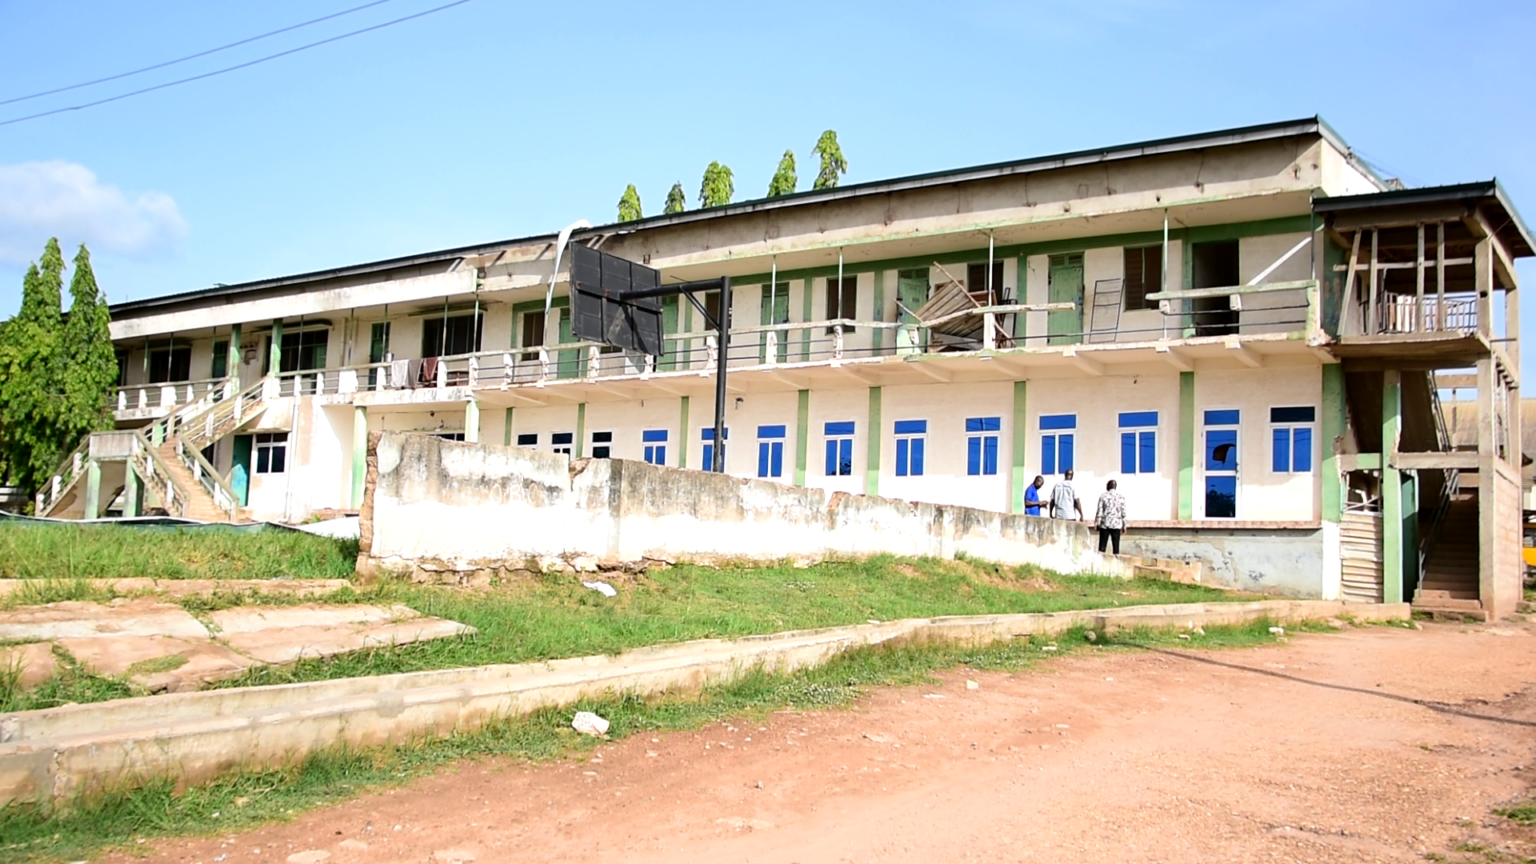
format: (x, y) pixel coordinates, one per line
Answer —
(1285, 560)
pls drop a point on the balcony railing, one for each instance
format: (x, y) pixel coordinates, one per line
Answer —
(139, 397)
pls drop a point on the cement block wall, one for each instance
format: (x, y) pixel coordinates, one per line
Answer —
(443, 505)
(1284, 560)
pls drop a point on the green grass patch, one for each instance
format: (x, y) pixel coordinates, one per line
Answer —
(72, 684)
(66, 552)
(1524, 814)
(35, 834)
(556, 616)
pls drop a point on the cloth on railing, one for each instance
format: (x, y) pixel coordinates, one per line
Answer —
(400, 374)
(429, 371)
(413, 373)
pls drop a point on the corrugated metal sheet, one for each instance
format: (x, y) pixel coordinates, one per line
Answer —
(1360, 554)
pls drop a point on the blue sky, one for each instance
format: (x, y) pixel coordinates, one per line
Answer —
(495, 119)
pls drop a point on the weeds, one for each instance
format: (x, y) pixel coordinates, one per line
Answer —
(54, 551)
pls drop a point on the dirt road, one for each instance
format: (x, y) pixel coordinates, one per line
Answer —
(1372, 744)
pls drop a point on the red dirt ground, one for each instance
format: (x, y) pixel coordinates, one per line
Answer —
(1373, 744)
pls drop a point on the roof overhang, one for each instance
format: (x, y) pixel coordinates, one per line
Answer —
(1409, 205)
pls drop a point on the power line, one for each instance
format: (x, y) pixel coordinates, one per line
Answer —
(235, 67)
(192, 56)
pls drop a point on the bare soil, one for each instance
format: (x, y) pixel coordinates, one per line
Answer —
(1373, 744)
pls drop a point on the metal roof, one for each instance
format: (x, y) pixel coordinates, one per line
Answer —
(1160, 146)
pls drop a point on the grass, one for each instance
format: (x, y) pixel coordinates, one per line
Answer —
(1524, 814)
(65, 552)
(35, 834)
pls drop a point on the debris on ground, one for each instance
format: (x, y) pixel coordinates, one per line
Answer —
(588, 723)
(602, 588)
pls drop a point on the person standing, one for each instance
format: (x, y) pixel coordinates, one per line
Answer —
(1064, 498)
(1032, 496)
(1110, 518)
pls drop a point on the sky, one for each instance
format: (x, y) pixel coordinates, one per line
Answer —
(492, 120)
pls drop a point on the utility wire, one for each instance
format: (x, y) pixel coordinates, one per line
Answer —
(192, 56)
(235, 67)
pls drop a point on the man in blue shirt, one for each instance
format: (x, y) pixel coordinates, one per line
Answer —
(1032, 496)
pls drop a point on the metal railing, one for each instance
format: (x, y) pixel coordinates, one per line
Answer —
(157, 477)
(1450, 486)
(205, 475)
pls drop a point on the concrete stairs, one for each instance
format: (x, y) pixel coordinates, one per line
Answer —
(200, 504)
(1450, 584)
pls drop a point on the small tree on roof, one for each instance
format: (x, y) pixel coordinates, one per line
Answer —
(718, 186)
(784, 180)
(832, 162)
(629, 204)
(677, 201)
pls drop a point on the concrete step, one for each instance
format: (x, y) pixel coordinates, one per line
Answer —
(1457, 598)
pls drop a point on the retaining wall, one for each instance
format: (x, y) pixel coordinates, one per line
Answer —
(61, 754)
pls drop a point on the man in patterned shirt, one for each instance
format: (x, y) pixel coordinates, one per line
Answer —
(1111, 517)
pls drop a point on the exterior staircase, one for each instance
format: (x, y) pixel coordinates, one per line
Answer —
(197, 502)
(1450, 584)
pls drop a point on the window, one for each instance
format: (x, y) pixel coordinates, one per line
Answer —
(170, 364)
(655, 441)
(220, 360)
(1138, 442)
(712, 309)
(301, 351)
(839, 449)
(770, 451)
(909, 447)
(122, 367)
(976, 281)
(450, 436)
(981, 445)
(1291, 434)
(533, 334)
(1143, 276)
(709, 447)
(528, 439)
(1221, 463)
(602, 444)
(560, 442)
(271, 452)
(842, 302)
(445, 337)
(1056, 443)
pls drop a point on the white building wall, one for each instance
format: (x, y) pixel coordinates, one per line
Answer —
(946, 407)
(1261, 493)
(835, 406)
(627, 420)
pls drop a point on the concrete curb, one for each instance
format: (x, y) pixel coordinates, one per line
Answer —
(61, 754)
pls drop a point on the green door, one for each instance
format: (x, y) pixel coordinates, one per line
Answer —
(567, 362)
(1066, 286)
(911, 293)
(775, 310)
(669, 325)
(240, 471)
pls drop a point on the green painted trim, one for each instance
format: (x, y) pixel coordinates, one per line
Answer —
(682, 435)
(274, 358)
(472, 422)
(359, 454)
(1202, 234)
(1393, 559)
(802, 434)
(506, 429)
(559, 302)
(1368, 461)
(131, 495)
(873, 437)
(581, 429)
(1020, 444)
(879, 311)
(1334, 419)
(1021, 276)
(232, 365)
(92, 489)
(1186, 445)
(805, 304)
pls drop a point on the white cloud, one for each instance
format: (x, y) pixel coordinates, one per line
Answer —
(61, 199)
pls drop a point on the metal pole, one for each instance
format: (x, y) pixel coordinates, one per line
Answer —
(723, 338)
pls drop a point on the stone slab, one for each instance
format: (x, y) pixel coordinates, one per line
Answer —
(201, 661)
(83, 619)
(33, 662)
(198, 587)
(288, 644)
(254, 619)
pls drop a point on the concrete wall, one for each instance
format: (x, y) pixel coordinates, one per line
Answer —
(460, 507)
(1287, 560)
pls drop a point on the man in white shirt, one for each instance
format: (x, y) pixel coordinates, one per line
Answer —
(1064, 499)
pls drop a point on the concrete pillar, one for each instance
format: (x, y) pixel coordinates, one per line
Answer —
(1017, 478)
(131, 492)
(1487, 460)
(581, 432)
(1186, 444)
(472, 422)
(1392, 551)
(232, 365)
(274, 362)
(872, 447)
(682, 433)
(506, 429)
(92, 489)
(1333, 422)
(359, 454)
(802, 432)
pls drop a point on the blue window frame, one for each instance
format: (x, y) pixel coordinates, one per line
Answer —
(1221, 440)
(655, 441)
(1057, 444)
(770, 451)
(528, 439)
(839, 449)
(1138, 442)
(981, 445)
(1291, 439)
(910, 437)
(560, 442)
(709, 448)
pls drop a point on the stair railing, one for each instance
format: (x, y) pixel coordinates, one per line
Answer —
(1448, 489)
(207, 426)
(68, 472)
(206, 476)
(157, 477)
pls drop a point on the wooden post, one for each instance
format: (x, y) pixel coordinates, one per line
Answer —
(1418, 271)
(1440, 276)
(1349, 286)
(1375, 289)
(1482, 259)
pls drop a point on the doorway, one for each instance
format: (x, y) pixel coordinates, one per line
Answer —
(1216, 266)
(1066, 286)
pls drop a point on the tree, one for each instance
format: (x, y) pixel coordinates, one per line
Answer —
(629, 204)
(89, 362)
(832, 161)
(718, 186)
(31, 386)
(784, 180)
(677, 201)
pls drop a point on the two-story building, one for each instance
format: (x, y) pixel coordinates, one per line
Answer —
(1242, 328)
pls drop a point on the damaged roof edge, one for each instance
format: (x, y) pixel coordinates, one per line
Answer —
(1477, 191)
(1181, 143)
